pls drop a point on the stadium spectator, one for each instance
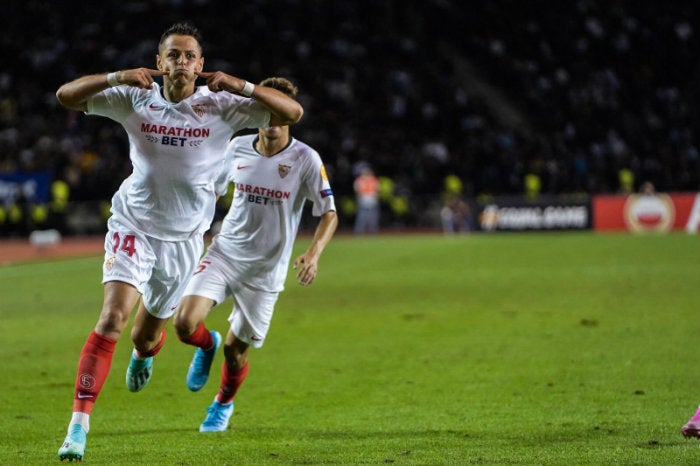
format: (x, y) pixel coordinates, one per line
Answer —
(250, 266)
(366, 187)
(60, 196)
(647, 188)
(178, 134)
(455, 215)
(614, 89)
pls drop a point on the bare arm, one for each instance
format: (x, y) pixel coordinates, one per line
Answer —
(309, 259)
(285, 110)
(75, 94)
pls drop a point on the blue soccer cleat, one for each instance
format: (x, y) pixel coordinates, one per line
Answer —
(73, 447)
(198, 373)
(138, 373)
(217, 417)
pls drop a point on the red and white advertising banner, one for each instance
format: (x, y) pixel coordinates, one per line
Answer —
(658, 212)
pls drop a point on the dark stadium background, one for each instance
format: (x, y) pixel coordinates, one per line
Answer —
(583, 97)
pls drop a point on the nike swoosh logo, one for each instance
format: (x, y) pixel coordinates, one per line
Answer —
(241, 167)
(81, 396)
(156, 107)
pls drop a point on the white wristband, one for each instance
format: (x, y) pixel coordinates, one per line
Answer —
(247, 89)
(112, 79)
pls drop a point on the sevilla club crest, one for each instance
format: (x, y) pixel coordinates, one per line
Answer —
(283, 170)
(199, 109)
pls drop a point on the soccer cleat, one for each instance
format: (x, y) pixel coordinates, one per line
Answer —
(217, 417)
(73, 447)
(692, 427)
(138, 373)
(198, 373)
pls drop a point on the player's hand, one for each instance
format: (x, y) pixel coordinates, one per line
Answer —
(218, 81)
(307, 272)
(138, 77)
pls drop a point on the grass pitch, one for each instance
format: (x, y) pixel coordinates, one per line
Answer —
(559, 349)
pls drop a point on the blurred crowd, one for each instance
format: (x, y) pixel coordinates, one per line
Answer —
(587, 96)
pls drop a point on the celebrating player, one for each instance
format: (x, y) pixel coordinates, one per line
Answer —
(273, 175)
(177, 139)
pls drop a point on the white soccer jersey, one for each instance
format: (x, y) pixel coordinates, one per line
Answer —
(177, 152)
(258, 232)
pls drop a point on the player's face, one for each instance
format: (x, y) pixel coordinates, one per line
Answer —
(180, 57)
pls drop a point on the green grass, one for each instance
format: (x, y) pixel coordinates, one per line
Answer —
(561, 349)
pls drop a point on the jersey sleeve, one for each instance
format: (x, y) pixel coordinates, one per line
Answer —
(226, 175)
(318, 187)
(240, 112)
(114, 102)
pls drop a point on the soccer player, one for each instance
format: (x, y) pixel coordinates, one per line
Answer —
(177, 137)
(273, 174)
(691, 429)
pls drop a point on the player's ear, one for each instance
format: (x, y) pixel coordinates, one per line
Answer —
(159, 63)
(200, 66)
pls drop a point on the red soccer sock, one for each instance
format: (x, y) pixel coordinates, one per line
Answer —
(230, 381)
(200, 337)
(155, 349)
(93, 368)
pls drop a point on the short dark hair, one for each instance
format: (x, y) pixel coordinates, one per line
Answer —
(283, 85)
(181, 29)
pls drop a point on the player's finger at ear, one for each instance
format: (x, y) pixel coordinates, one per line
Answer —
(204, 74)
(156, 72)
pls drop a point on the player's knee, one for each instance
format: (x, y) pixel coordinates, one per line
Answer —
(113, 319)
(184, 325)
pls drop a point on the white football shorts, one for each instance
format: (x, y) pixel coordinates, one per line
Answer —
(252, 308)
(158, 269)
